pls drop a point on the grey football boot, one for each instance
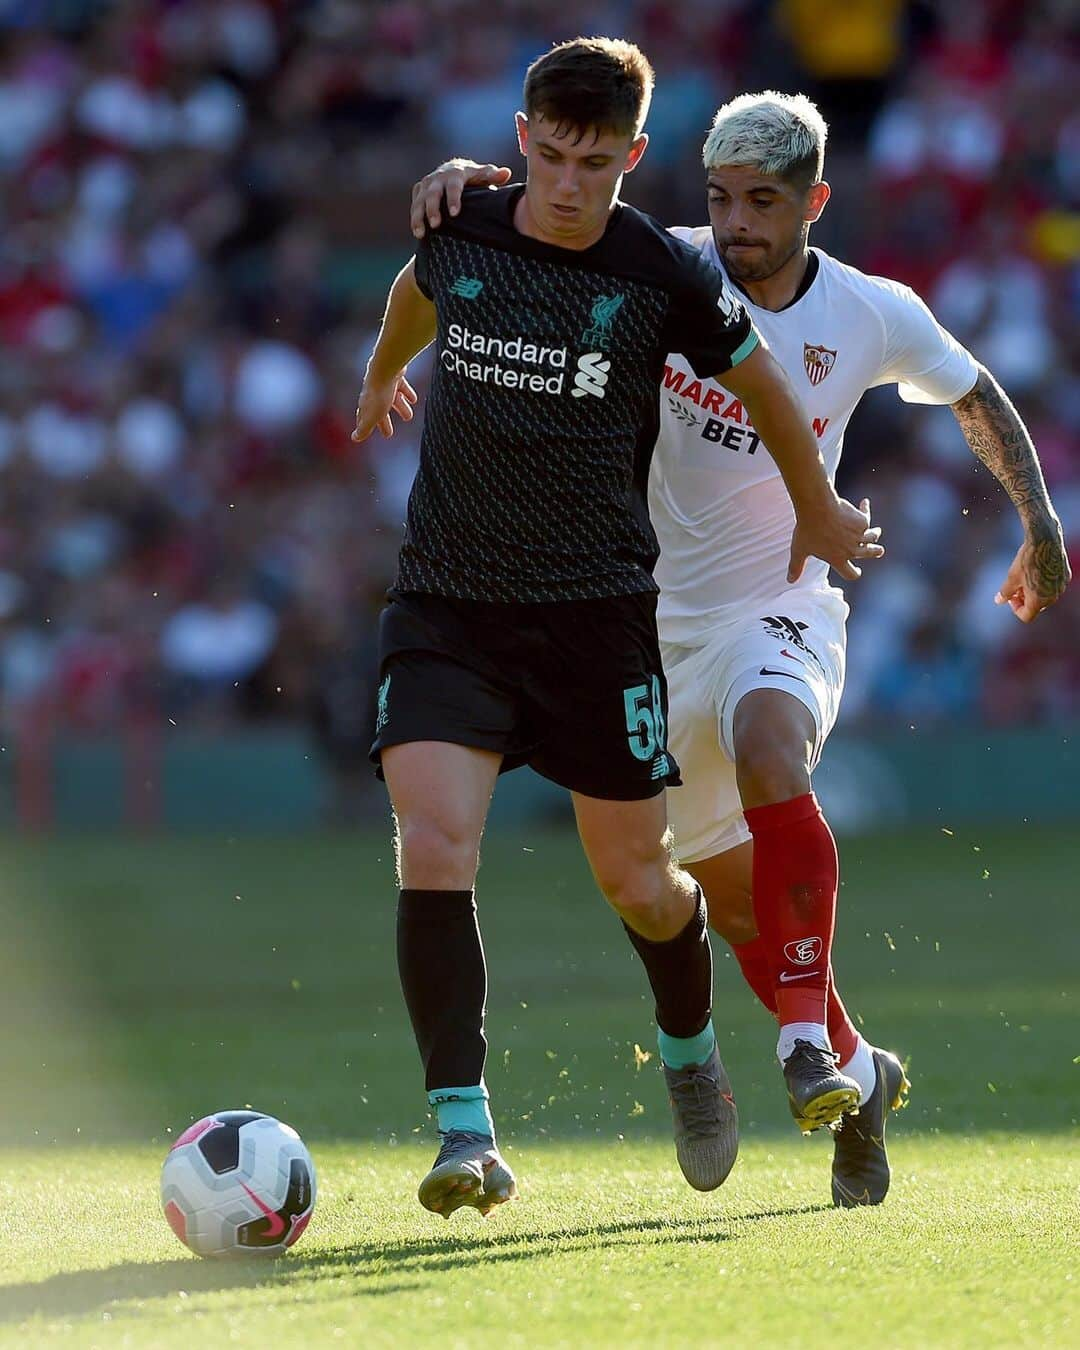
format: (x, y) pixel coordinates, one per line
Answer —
(860, 1170)
(706, 1122)
(818, 1093)
(469, 1170)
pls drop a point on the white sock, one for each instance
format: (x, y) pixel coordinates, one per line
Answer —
(814, 1032)
(862, 1068)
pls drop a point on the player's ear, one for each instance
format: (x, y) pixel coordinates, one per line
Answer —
(816, 198)
(637, 149)
(521, 122)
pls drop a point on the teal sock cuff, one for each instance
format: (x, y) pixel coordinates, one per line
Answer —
(679, 1052)
(463, 1108)
(477, 1092)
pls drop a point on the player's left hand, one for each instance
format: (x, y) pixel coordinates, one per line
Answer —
(840, 535)
(1038, 575)
(378, 402)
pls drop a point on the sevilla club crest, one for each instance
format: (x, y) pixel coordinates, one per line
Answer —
(818, 362)
(804, 952)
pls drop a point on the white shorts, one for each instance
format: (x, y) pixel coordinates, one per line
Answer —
(796, 644)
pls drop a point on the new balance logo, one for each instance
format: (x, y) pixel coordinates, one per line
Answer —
(661, 766)
(467, 287)
(591, 376)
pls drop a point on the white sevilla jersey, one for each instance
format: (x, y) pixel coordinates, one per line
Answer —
(717, 500)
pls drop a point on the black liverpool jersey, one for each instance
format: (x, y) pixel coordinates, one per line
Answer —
(544, 404)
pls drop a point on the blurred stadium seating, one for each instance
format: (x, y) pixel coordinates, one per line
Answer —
(203, 200)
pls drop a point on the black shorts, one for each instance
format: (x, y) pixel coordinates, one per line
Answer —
(575, 688)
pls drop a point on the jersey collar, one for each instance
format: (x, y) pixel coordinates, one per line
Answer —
(513, 193)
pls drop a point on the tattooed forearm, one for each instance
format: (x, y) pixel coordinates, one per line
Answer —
(996, 435)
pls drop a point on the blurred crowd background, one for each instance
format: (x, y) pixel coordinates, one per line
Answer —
(201, 205)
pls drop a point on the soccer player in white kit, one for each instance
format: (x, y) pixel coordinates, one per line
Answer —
(755, 655)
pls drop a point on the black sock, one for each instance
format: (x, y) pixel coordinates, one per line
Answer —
(680, 972)
(444, 979)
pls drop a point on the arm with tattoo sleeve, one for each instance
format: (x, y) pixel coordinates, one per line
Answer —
(993, 429)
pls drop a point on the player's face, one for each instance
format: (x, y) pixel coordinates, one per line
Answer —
(759, 222)
(572, 183)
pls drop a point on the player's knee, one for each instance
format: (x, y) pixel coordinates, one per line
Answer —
(731, 914)
(643, 908)
(770, 767)
(436, 854)
(631, 885)
(653, 897)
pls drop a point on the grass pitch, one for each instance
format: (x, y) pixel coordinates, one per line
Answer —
(144, 984)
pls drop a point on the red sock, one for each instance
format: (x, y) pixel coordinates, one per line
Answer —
(794, 885)
(754, 965)
(842, 1032)
(755, 968)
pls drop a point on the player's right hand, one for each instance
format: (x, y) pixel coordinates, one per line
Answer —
(839, 533)
(378, 400)
(449, 180)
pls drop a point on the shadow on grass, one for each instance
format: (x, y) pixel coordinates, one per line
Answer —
(382, 1268)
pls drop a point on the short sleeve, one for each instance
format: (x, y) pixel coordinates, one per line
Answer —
(706, 322)
(924, 359)
(422, 269)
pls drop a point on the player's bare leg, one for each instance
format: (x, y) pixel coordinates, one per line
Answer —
(440, 794)
(663, 911)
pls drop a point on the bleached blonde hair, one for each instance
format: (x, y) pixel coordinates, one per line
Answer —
(781, 135)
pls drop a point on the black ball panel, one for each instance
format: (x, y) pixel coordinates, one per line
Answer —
(272, 1229)
(220, 1146)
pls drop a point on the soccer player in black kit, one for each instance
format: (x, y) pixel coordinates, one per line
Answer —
(521, 626)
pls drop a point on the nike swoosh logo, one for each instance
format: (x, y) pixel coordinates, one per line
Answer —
(277, 1223)
(863, 1199)
(784, 979)
(785, 673)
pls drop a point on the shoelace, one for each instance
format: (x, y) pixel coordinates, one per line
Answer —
(809, 1055)
(453, 1141)
(698, 1108)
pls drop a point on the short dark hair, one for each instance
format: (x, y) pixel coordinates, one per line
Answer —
(591, 84)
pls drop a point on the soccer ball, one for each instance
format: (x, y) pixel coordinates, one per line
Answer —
(238, 1183)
